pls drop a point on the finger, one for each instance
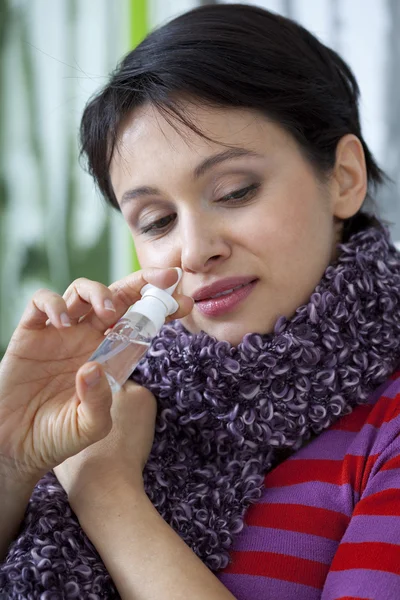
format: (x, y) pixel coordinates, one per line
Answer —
(94, 394)
(186, 304)
(126, 291)
(124, 401)
(84, 296)
(45, 305)
(185, 307)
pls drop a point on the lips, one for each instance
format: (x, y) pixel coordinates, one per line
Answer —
(221, 287)
(223, 296)
(227, 292)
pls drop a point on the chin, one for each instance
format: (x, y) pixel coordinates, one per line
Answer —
(226, 332)
(233, 335)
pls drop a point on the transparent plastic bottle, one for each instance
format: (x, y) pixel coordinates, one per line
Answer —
(131, 336)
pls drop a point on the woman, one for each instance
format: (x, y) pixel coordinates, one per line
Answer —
(263, 426)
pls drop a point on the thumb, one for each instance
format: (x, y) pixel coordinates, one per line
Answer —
(94, 393)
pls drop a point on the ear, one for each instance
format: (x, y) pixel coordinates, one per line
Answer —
(349, 177)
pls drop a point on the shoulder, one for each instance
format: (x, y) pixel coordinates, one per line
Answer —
(379, 419)
(348, 450)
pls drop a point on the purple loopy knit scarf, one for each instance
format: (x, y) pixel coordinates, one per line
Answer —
(224, 416)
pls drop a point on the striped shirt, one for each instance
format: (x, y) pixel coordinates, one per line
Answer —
(328, 523)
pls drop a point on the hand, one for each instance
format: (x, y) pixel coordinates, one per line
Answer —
(117, 461)
(52, 407)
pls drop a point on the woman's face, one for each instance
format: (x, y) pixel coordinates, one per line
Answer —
(245, 209)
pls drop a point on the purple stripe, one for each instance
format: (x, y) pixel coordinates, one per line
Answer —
(361, 583)
(380, 391)
(374, 440)
(382, 480)
(253, 587)
(340, 498)
(291, 543)
(331, 445)
(392, 389)
(389, 389)
(367, 528)
(335, 444)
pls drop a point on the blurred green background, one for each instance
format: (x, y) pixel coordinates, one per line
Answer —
(54, 54)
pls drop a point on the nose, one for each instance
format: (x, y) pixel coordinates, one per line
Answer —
(204, 243)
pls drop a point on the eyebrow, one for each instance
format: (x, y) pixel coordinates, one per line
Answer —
(199, 171)
(139, 191)
(212, 161)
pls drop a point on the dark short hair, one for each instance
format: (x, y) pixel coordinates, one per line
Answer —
(231, 56)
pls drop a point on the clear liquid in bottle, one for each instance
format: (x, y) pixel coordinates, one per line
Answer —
(123, 347)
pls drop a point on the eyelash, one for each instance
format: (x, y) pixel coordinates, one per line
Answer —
(241, 195)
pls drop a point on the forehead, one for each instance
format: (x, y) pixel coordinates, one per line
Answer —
(151, 141)
(222, 125)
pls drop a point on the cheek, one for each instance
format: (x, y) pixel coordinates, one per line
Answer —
(291, 231)
(156, 254)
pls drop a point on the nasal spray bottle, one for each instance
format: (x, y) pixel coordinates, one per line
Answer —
(131, 336)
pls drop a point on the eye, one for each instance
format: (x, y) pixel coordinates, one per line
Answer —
(159, 225)
(242, 194)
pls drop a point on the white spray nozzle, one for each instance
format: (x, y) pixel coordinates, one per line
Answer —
(172, 288)
(169, 290)
(157, 304)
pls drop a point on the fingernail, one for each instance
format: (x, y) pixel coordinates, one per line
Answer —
(65, 321)
(91, 376)
(108, 305)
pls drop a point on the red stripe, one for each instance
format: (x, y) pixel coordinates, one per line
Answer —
(291, 472)
(392, 463)
(384, 411)
(352, 598)
(354, 470)
(395, 375)
(374, 414)
(384, 503)
(355, 420)
(297, 517)
(376, 556)
(278, 566)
